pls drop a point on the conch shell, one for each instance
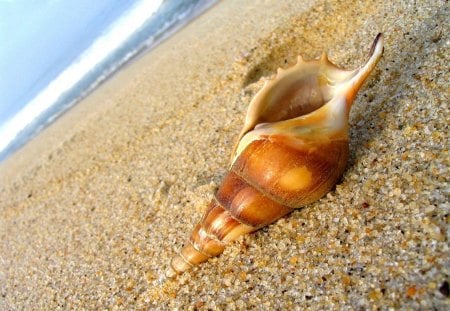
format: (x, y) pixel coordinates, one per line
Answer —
(292, 150)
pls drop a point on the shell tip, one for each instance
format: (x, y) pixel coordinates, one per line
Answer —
(376, 43)
(170, 272)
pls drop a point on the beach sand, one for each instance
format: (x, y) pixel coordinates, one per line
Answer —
(92, 210)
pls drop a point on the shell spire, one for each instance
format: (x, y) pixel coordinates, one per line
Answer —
(292, 150)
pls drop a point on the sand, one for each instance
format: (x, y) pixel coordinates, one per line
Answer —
(92, 209)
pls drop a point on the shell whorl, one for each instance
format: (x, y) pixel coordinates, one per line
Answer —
(292, 150)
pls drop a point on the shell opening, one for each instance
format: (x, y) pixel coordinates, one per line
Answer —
(297, 96)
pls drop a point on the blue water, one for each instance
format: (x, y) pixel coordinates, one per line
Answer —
(170, 16)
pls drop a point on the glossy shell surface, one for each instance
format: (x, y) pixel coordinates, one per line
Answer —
(292, 150)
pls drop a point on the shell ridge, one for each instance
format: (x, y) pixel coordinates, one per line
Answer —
(211, 235)
(186, 260)
(208, 235)
(230, 212)
(249, 183)
(198, 249)
(269, 195)
(300, 136)
(262, 191)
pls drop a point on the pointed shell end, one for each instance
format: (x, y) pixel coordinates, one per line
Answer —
(377, 43)
(170, 272)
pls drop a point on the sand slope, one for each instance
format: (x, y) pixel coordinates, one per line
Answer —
(92, 210)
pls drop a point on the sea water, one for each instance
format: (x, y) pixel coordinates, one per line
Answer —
(133, 33)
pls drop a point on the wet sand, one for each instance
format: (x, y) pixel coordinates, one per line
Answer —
(95, 206)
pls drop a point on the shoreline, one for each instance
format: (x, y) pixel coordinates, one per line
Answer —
(138, 53)
(96, 205)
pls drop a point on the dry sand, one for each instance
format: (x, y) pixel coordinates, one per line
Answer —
(93, 208)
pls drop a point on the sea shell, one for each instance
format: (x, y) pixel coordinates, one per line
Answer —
(292, 150)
